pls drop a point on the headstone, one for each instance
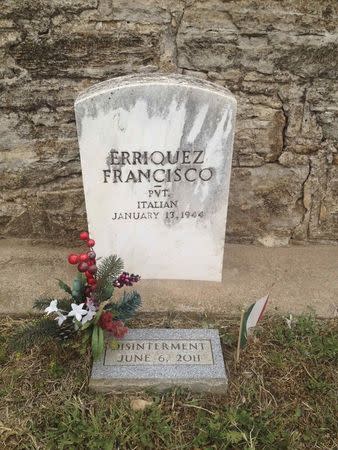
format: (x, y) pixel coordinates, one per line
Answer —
(156, 155)
(160, 359)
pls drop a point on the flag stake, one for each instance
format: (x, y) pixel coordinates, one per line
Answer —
(239, 336)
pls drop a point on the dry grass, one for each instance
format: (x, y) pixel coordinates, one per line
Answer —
(282, 395)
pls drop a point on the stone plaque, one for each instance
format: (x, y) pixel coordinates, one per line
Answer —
(156, 157)
(159, 352)
(161, 358)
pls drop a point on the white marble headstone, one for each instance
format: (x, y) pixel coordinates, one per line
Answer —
(156, 155)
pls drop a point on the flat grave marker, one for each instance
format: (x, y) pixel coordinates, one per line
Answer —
(160, 359)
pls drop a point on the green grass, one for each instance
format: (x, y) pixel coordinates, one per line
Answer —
(282, 395)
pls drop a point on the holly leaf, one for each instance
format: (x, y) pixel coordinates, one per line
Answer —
(64, 286)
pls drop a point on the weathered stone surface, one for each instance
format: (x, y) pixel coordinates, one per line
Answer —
(267, 199)
(259, 133)
(278, 58)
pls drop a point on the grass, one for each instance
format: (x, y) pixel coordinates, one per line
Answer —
(282, 395)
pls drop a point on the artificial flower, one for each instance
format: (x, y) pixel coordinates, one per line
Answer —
(116, 327)
(119, 330)
(90, 313)
(52, 307)
(77, 311)
(60, 318)
(106, 319)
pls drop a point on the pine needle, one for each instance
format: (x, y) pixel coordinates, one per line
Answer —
(128, 305)
(32, 333)
(109, 268)
(108, 271)
(42, 303)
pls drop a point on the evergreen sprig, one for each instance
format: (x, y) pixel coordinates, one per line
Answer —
(128, 305)
(107, 272)
(109, 268)
(32, 333)
(42, 303)
(65, 286)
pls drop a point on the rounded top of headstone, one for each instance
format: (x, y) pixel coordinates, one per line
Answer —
(156, 79)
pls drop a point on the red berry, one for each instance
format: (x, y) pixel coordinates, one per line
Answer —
(92, 282)
(90, 242)
(91, 255)
(88, 274)
(73, 259)
(92, 269)
(84, 236)
(82, 267)
(83, 257)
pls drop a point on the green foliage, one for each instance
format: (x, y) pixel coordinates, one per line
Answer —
(97, 342)
(32, 333)
(308, 336)
(105, 426)
(237, 428)
(78, 288)
(109, 268)
(42, 303)
(104, 292)
(65, 287)
(113, 425)
(128, 305)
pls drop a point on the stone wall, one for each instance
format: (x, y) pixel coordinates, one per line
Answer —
(278, 57)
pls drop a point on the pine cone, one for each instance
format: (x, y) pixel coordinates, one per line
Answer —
(66, 331)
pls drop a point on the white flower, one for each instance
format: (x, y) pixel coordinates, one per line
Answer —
(90, 313)
(52, 307)
(77, 311)
(60, 318)
(289, 320)
(88, 317)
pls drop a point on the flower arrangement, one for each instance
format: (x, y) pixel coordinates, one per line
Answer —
(89, 308)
